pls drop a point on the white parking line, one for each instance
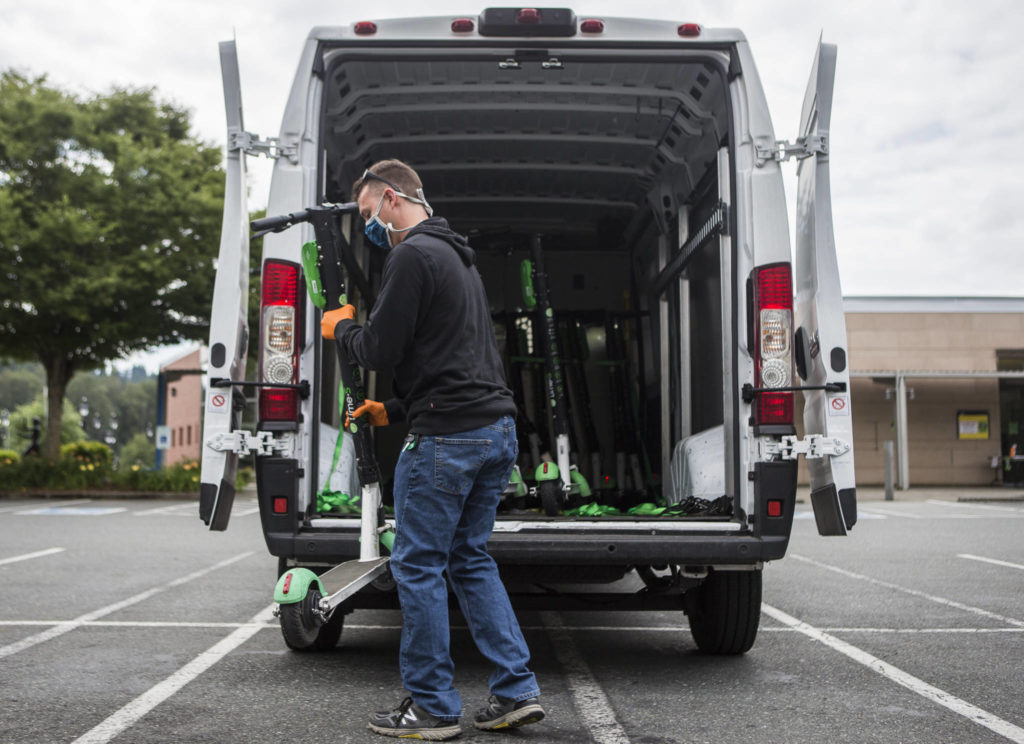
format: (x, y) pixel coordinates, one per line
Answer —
(993, 561)
(168, 510)
(69, 625)
(45, 503)
(972, 505)
(912, 683)
(29, 556)
(912, 592)
(588, 697)
(140, 706)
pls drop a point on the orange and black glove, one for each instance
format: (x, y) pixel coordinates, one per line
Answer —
(376, 412)
(331, 319)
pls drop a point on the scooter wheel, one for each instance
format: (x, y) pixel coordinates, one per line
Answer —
(304, 630)
(550, 498)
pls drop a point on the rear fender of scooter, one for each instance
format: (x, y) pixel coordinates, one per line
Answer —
(293, 586)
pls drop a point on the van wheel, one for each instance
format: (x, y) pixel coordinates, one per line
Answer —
(550, 497)
(303, 630)
(724, 611)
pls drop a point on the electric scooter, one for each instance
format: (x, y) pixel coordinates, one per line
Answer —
(556, 481)
(308, 605)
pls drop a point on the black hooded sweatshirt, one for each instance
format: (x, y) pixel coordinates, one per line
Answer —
(432, 325)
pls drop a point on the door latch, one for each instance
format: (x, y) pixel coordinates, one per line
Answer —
(814, 447)
(244, 443)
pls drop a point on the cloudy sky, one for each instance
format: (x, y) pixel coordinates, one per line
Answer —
(927, 139)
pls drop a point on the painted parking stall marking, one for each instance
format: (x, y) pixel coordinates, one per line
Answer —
(591, 703)
(72, 511)
(30, 556)
(140, 706)
(912, 592)
(912, 683)
(69, 625)
(993, 561)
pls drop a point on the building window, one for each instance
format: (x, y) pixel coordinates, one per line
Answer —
(188, 429)
(174, 392)
(172, 437)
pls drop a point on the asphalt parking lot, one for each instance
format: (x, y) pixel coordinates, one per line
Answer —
(126, 621)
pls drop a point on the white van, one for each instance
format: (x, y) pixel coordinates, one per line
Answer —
(643, 152)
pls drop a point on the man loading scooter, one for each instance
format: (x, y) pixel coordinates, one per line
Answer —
(431, 324)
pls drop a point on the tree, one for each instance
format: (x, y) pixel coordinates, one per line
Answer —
(109, 219)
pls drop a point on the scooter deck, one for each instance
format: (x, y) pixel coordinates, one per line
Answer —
(344, 580)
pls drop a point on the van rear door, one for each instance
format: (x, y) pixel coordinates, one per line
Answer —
(821, 347)
(229, 332)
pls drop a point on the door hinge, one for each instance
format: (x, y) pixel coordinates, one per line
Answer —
(782, 150)
(244, 443)
(271, 147)
(813, 447)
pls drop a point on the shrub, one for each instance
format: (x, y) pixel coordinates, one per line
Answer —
(138, 450)
(9, 457)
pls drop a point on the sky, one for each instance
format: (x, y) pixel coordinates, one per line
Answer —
(927, 136)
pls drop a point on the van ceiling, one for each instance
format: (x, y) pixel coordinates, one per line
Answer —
(575, 149)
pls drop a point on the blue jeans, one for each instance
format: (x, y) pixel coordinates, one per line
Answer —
(447, 490)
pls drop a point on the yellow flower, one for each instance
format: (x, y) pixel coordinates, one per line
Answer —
(91, 466)
(135, 467)
(195, 478)
(81, 467)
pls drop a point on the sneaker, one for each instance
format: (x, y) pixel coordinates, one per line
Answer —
(501, 713)
(410, 721)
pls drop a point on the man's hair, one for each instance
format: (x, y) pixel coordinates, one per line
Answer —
(395, 171)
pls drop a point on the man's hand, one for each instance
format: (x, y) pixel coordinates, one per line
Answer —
(332, 317)
(377, 413)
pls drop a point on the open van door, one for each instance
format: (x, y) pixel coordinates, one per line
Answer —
(229, 332)
(820, 343)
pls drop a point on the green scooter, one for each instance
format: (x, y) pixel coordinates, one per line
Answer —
(308, 605)
(559, 481)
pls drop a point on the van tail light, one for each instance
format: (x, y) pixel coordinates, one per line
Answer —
(773, 343)
(279, 340)
(462, 25)
(689, 30)
(592, 26)
(365, 28)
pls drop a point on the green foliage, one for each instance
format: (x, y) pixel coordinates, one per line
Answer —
(21, 424)
(96, 454)
(19, 384)
(109, 222)
(9, 457)
(139, 450)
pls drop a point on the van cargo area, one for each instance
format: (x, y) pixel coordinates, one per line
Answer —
(599, 158)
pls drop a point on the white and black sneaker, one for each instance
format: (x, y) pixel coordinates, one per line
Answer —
(410, 721)
(501, 713)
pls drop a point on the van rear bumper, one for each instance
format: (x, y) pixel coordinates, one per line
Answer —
(564, 548)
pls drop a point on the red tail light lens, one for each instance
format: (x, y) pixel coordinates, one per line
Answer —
(366, 28)
(280, 505)
(689, 30)
(773, 342)
(279, 340)
(592, 26)
(462, 25)
(528, 15)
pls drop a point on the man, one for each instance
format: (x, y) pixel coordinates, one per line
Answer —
(431, 324)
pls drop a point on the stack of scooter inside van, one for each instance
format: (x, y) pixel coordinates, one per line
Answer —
(553, 359)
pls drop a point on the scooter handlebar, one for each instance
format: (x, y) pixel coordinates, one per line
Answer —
(284, 221)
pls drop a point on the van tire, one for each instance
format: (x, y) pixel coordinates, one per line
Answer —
(724, 611)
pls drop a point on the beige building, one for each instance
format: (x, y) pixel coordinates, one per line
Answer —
(942, 379)
(183, 402)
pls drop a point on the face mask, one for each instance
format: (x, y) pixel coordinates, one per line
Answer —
(377, 231)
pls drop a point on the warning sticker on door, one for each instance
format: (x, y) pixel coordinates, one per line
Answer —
(840, 405)
(217, 403)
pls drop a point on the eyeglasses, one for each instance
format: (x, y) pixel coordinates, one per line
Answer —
(369, 175)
